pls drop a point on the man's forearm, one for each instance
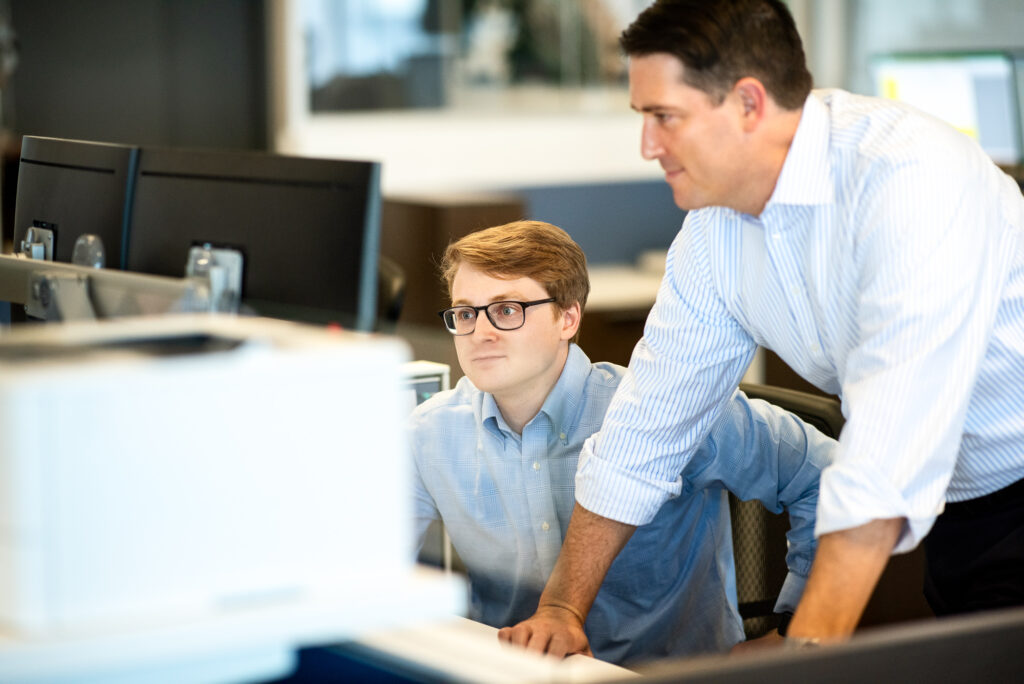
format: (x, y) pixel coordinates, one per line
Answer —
(591, 544)
(845, 571)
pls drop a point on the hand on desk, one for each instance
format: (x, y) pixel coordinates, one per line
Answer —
(550, 630)
(770, 640)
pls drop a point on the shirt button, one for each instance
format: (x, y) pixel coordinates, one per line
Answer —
(536, 465)
(544, 526)
(561, 435)
(815, 349)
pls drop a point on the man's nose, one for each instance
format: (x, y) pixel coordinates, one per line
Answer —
(650, 143)
(484, 327)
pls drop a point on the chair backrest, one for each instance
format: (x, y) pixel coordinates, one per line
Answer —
(390, 293)
(759, 536)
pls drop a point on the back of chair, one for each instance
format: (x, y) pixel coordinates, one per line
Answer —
(759, 536)
(390, 293)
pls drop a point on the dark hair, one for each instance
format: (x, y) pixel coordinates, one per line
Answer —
(721, 41)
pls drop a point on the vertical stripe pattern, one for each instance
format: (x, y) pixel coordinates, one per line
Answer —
(888, 268)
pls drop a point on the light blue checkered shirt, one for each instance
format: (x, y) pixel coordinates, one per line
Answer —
(887, 267)
(506, 501)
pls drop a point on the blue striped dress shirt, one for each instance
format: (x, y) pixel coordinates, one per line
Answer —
(506, 500)
(887, 267)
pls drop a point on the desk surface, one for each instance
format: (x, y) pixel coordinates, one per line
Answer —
(468, 651)
(618, 288)
(231, 645)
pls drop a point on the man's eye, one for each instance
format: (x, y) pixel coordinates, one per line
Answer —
(508, 310)
(466, 314)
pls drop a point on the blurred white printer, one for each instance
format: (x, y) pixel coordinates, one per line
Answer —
(196, 469)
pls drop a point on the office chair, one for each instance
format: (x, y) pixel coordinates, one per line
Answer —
(390, 293)
(759, 536)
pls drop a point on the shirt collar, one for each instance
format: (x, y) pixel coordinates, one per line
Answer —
(806, 176)
(561, 404)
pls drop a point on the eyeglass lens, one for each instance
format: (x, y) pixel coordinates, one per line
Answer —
(503, 316)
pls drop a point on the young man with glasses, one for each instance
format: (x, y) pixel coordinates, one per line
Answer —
(496, 457)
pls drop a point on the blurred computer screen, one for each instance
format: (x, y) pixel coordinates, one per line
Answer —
(976, 92)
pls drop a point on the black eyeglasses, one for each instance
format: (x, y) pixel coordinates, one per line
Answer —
(461, 320)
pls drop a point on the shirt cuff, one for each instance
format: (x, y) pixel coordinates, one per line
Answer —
(619, 494)
(789, 596)
(851, 495)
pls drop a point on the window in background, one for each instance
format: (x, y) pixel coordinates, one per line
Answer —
(474, 54)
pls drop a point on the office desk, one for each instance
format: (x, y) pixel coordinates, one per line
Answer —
(457, 649)
(620, 298)
(230, 644)
(620, 287)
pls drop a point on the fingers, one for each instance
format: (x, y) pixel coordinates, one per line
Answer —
(542, 636)
(562, 643)
(528, 635)
(519, 634)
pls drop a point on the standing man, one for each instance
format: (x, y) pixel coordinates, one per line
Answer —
(878, 252)
(495, 459)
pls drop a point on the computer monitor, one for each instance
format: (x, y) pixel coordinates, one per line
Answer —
(309, 229)
(982, 646)
(74, 187)
(974, 92)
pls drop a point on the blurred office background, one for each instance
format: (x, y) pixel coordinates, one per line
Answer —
(482, 111)
(452, 95)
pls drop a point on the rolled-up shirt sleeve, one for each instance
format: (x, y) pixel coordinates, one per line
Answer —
(682, 372)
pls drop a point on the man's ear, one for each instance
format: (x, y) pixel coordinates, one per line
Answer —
(571, 321)
(753, 99)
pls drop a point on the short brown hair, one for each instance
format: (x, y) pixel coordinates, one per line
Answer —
(721, 41)
(530, 249)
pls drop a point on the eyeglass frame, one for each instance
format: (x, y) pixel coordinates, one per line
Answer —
(485, 308)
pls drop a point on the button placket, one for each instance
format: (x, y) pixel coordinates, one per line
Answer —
(787, 266)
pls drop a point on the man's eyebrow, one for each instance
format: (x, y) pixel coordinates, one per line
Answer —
(652, 109)
(509, 297)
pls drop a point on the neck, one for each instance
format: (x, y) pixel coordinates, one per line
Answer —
(776, 138)
(519, 408)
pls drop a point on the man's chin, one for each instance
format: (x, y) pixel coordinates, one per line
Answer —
(485, 382)
(690, 203)
(685, 200)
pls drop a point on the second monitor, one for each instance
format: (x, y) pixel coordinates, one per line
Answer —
(309, 229)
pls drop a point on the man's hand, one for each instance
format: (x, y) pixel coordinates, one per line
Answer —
(770, 640)
(590, 546)
(552, 630)
(845, 571)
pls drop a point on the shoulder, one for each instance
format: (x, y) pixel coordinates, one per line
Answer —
(591, 399)
(444, 409)
(871, 133)
(605, 374)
